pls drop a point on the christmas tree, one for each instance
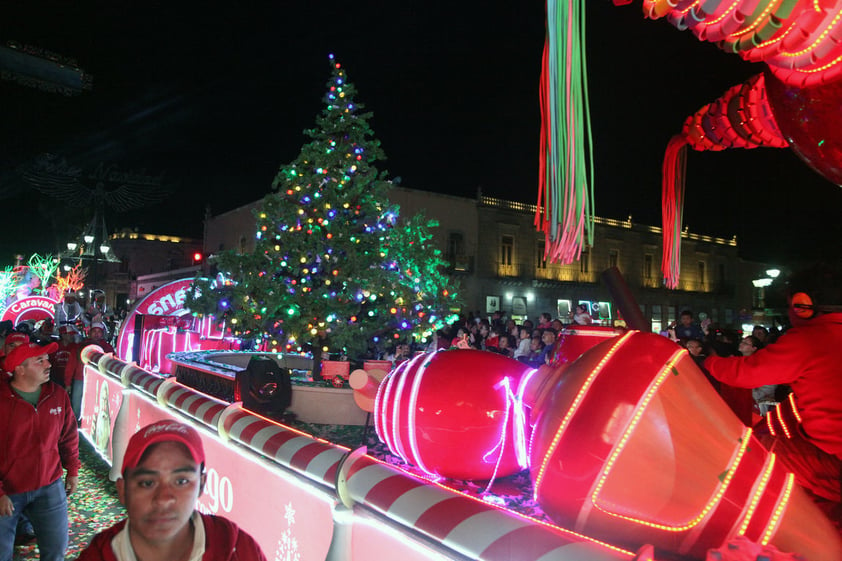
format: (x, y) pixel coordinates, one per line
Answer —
(334, 267)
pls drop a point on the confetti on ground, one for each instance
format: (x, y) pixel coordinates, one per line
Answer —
(92, 508)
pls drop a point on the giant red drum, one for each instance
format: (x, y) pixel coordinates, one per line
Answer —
(631, 444)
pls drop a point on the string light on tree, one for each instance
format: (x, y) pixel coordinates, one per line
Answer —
(356, 259)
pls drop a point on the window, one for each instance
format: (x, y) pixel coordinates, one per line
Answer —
(540, 259)
(700, 267)
(613, 258)
(647, 266)
(585, 261)
(563, 308)
(507, 249)
(455, 246)
(722, 273)
(657, 320)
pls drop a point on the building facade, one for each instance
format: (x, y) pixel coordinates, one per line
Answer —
(496, 254)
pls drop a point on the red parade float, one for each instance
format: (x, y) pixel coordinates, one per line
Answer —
(629, 444)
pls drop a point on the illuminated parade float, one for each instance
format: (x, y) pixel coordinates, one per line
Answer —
(619, 447)
(612, 443)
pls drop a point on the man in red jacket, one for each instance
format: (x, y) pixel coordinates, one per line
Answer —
(74, 370)
(805, 432)
(59, 359)
(38, 441)
(162, 477)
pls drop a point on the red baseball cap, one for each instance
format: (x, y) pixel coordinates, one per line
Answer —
(163, 431)
(20, 353)
(16, 337)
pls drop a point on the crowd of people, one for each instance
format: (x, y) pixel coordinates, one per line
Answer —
(529, 342)
(703, 339)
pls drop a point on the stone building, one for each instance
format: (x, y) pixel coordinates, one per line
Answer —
(498, 257)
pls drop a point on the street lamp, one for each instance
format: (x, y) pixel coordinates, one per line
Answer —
(89, 238)
(71, 246)
(773, 273)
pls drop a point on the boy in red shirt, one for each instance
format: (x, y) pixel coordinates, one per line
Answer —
(163, 476)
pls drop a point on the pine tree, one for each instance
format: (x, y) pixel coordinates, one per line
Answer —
(334, 267)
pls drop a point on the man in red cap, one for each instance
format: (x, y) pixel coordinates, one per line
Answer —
(12, 340)
(74, 371)
(162, 477)
(59, 360)
(38, 441)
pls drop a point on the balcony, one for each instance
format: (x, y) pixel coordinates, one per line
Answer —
(507, 270)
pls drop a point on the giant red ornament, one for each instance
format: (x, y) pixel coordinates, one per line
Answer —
(454, 414)
(809, 118)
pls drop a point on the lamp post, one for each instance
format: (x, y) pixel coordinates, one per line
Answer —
(760, 285)
(92, 245)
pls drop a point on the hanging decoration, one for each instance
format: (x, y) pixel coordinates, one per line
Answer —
(565, 174)
(796, 103)
(740, 118)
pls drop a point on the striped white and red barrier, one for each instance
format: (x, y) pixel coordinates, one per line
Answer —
(471, 527)
(266, 476)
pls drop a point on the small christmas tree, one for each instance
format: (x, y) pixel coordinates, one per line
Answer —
(333, 267)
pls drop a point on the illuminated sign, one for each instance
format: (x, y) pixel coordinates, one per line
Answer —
(31, 308)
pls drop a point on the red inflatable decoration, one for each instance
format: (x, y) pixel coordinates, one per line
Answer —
(799, 104)
(628, 443)
(809, 119)
(631, 443)
(454, 414)
(574, 340)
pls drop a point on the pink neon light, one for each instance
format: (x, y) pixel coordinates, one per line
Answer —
(396, 415)
(412, 405)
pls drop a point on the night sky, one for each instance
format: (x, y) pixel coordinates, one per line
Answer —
(216, 99)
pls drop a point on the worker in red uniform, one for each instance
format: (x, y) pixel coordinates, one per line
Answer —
(162, 477)
(74, 369)
(806, 432)
(38, 442)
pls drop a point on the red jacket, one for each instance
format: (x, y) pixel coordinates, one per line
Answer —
(224, 541)
(807, 358)
(59, 360)
(75, 368)
(36, 443)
